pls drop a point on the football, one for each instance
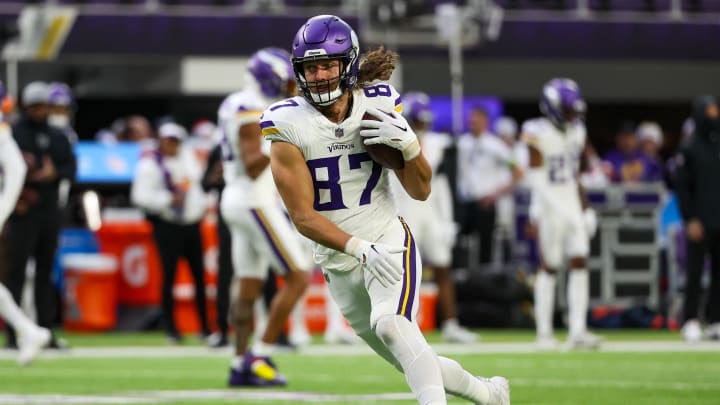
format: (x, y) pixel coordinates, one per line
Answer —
(383, 154)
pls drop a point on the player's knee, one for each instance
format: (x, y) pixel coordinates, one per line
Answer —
(297, 282)
(388, 329)
(577, 263)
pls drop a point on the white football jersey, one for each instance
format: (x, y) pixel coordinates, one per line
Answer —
(561, 151)
(236, 110)
(351, 190)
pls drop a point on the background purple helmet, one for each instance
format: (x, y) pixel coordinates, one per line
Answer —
(561, 101)
(60, 94)
(272, 70)
(326, 37)
(416, 107)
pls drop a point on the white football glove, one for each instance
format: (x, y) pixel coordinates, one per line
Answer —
(377, 259)
(392, 130)
(590, 218)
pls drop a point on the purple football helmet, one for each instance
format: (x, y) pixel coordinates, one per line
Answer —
(60, 95)
(416, 107)
(272, 70)
(561, 101)
(326, 37)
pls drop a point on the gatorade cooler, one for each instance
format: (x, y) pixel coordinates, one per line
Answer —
(90, 301)
(132, 244)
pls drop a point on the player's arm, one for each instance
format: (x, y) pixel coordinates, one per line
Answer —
(415, 177)
(295, 186)
(13, 163)
(250, 140)
(589, 215)
(536, 178)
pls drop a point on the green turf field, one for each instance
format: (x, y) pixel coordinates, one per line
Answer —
(638, 368)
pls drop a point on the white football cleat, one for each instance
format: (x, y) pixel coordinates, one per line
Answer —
(584, 341)
(499, 390)
(691, 331)
(454, 333)
(712, 332)
(546, 343)
(31, 344)
(299, 337)
(342, 336)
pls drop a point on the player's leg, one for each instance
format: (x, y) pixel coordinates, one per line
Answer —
(393, 316)
(31, 338)
(336, 329)
(275, 239)
(436, 239)
(578, 288)
(250, 271)
(550, 246)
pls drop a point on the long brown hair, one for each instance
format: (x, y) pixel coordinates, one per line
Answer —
(376, 64)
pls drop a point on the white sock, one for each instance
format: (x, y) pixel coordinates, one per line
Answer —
(237, 362)
(544, 302)
(419, 362)
(451, 323)
(297, 317)
(260, 317)
(461, 383)
(262, 349)
(578, 295)
(12, 313)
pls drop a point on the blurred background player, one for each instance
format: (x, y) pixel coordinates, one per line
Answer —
(31, 338)
(167, 187)
(262, 235)
(432, 220)
(34, 226)
(559, 209)
(341, 200)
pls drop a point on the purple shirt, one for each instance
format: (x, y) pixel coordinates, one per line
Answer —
(633, 167)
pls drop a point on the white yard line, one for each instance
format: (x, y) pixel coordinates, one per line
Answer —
(363, 350)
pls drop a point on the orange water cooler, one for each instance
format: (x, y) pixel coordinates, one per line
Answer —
(90, 298)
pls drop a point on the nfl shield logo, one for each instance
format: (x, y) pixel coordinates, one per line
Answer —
(339, 132)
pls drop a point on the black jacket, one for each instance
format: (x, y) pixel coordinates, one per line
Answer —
(697, 177)
(40, 140)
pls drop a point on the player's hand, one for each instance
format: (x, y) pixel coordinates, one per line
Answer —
(590, 219)
(391, 129)
(377, 258)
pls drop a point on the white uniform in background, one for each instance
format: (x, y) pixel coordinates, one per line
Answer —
(563, 228)
(262, 234)
(31, 338)
(558, 211)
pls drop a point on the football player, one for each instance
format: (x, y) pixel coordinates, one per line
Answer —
(559, 211)
(262, 235)
(432, 220)
(31, 338)
(341, 200)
